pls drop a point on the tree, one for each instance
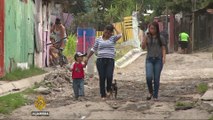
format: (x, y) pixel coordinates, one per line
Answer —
(177, 6)
(74, 6)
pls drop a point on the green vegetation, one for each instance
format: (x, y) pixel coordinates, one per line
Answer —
(211, 118)
(18, 73)
(29, 91)
(202, 88)
(97, 13)
(70, 47)
(11, 102)
(186, 5)
(122, 50)
(184, 104)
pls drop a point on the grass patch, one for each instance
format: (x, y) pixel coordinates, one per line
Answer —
(202, 88)
(211, 118)
(11, 102)
(122, 50)
(183, 105)
(18, 74)
(29, 91)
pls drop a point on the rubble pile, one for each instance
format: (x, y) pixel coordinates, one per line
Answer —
(58, 78)
(57, 83)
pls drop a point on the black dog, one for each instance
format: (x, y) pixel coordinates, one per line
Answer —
(114, 88)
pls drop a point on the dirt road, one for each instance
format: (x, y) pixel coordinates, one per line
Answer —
(181, 74)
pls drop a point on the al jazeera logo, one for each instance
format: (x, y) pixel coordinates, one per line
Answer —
(40, 104)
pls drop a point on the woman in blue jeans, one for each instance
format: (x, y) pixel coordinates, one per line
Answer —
(105, 48)
(156, 56)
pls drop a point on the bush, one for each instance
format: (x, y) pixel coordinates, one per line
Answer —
(70, 47)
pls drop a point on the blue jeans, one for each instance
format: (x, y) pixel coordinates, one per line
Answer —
(78, 87)
(105, 67)
(154, 66)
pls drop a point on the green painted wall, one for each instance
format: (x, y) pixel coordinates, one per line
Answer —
(19, 33)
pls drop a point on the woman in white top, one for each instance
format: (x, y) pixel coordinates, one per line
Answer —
(105, 48)
(60, 33)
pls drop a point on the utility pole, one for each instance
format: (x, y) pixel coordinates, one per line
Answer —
(193, 23)
(167, 31)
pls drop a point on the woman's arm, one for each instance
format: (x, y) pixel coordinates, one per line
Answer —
(116, 30)
(118, 34)
(62, 29)
(95, 48)
(88, 57)
(90, 54)
(144, 42)
(140, 35)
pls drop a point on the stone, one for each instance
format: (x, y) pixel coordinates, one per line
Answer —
(88, 105)
(43, 90)
(115, 106)
(210, 85)
(208, 96)
(183, 107)
(85, 83)
(119, 73)
(207, 105)
(182, 87)
(83, 117)
(130, 107)
(16, 89)
(143, 107)
(57, 89)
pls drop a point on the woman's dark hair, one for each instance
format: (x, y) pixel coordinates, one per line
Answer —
(155, 24)
(57, 21)
(109, 28)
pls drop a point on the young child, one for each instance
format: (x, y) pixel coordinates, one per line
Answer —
(77, 70)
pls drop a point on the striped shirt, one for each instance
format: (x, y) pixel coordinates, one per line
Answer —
(106, 48)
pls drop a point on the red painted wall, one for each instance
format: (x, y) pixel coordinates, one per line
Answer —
(1, 37)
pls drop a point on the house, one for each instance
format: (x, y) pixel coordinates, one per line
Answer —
(24, 33)
(203, 27)
(18, 33)
(42, 16)
(167, 23)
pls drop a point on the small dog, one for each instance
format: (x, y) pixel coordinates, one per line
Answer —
(114, 89)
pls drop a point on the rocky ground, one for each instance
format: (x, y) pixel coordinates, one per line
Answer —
(180, 77)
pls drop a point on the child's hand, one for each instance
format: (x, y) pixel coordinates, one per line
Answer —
(70, 69)
(85, 62)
